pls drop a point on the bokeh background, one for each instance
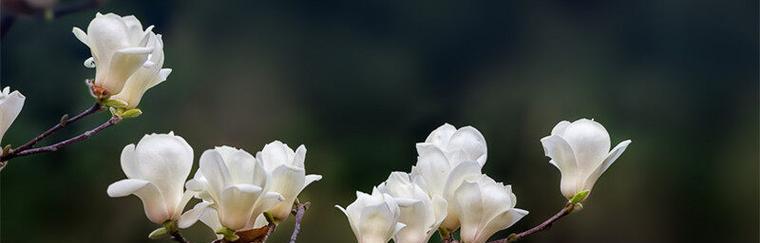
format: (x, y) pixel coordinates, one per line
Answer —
(359, 82)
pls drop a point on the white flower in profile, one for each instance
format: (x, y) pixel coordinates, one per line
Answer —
(486, 207)
(446, 158)
(581, 152)
(119, 47)
(147, 76)
(373, 218)
(11, 104)
(233, 183)
(287, 174)
(157, 168)
(421, 214)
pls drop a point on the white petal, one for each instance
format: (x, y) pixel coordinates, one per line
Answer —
(288, 181)
(123, 64)
(163, 159)
(236, 205)
(153, 201)
(215, 172)
(562, 156)
(440, 136)
(470, 141)
(590, 143)
(10, 106)
(193, 215)
(559, 129)
(613, 155)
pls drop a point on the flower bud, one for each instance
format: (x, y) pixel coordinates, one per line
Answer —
(11, 104)
(373, 218)
(485, 207)
(119, 47)
(581, 152)
(287, 174)
(421, 214)
(157, 168)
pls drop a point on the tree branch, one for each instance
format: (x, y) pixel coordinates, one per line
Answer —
(64, 122)
(300, 210)
(176, 236)
(59, 145)
(541, 227)
(58, 10)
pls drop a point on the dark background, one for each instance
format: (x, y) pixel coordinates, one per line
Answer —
(359, 82)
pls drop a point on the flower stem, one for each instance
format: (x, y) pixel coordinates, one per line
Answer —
(299, 211)
(541, 227)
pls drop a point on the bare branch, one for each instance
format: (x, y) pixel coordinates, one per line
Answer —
(176, 236)
(64, 122)
(541, 227)
(300, 211)
(55, 147)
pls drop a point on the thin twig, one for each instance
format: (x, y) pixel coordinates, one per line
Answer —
(64, 122)
(58, 10)
(176, 236)
(538, 228)
(59, 145)
(300, 211)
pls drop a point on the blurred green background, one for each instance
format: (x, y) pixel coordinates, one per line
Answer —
(359, 82)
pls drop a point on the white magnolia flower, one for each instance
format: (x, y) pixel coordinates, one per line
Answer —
(581, 152)
(157, 168)
(373, 218)
(149, 75)
(421, 214)
(233, 183)
(446, 158)
(119, 47)
(10, 105)
(486, 207)
(287, 174)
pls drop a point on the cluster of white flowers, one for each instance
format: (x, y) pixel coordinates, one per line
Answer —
(447, 191)
(128, 59)
(235, 187)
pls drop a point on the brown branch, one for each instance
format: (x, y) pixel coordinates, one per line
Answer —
(541, 227)
(176, 236)
(15, 9)
(55, 147)
(64, 122)
(300, 210)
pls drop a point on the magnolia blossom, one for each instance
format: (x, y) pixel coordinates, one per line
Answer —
(149, 75)
(10, 105)
(157, 168)
(581, 152)
(373, 218)
(232, 183)
(419, 212)
(287, 174)
(119, 47)
(446, 158)
(486, 207)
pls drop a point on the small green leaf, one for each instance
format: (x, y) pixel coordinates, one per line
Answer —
(115, 103)
(579, 197)
(132, 113)
(158, 233)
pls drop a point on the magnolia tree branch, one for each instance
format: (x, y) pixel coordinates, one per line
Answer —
(541, 227)
(26, 148)
(58, 10)
(300, 210)
(55, 147)
(65, 120)
(176, 236)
